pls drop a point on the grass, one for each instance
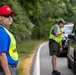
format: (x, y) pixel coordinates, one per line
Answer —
(26, 48)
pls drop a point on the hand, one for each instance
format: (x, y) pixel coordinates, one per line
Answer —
(61, 49)
(63, 32)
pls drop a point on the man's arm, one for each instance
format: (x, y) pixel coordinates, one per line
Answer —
(55, 31)
(4, 63)
(58, 33)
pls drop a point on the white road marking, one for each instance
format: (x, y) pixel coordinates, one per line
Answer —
(37, 62)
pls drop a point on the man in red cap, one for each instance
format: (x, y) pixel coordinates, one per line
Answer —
(8, 51)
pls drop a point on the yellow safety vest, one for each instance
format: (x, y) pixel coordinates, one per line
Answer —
(12, 48)
(58, 39)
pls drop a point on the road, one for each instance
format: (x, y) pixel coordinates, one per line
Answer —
(42, 65)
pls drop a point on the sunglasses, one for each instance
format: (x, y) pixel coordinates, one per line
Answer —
(8, 15)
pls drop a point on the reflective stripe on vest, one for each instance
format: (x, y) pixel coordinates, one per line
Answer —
(12, 48)
(56, 38)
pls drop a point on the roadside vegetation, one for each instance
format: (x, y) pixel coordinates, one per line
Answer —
(35, 17)
(26, 50)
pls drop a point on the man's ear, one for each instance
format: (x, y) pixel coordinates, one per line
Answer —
(0, 17)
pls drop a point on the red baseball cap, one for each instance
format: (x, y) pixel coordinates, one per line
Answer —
(4, 10)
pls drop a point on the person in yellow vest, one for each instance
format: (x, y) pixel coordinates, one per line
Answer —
(55, 44)
(8, 51)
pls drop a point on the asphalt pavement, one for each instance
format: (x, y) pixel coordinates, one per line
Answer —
(42, 63)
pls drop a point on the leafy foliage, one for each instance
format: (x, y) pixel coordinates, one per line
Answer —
(21, 26)
(35, 17)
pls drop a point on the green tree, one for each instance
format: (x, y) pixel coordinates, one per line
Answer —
(35, 17)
